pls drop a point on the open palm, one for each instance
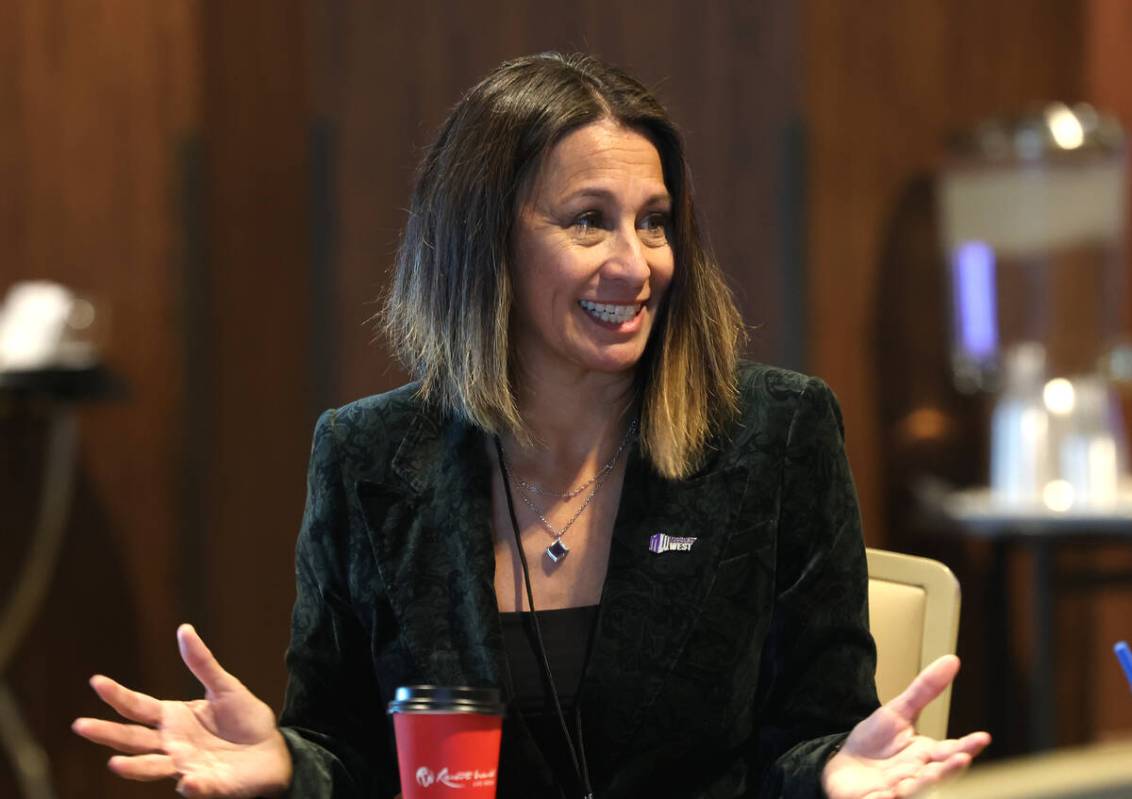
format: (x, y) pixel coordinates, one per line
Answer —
(884, 758)
(225, 745)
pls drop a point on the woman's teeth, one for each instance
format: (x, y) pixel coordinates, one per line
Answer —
(614, 314)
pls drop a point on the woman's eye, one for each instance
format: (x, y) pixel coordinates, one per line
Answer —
(654, 228)
(587, 222)
(587, 227)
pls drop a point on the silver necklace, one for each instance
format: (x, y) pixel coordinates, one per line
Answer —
(533, 488)
(558, 549)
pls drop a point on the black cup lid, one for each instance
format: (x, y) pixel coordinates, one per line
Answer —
(446, 699)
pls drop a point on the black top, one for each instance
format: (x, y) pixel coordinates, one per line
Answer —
(565, 635)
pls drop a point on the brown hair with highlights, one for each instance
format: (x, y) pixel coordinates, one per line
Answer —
(448, 313)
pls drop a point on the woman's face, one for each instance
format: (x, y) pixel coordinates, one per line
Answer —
(591, 254)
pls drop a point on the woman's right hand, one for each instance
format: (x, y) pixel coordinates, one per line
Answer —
(225, 745)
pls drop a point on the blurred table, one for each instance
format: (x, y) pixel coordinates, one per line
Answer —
(53, 394)
(1100, 771)
(1040, 532)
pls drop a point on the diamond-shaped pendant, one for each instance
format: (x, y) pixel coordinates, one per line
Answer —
(557, 551)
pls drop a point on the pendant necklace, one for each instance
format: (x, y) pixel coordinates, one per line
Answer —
(558, 549)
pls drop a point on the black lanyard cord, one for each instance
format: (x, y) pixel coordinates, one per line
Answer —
(580, 766)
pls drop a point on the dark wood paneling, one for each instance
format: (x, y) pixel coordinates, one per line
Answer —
(257, 329)
(94, 97)
(1107, 67)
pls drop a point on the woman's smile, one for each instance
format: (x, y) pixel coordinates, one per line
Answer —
(613, 316)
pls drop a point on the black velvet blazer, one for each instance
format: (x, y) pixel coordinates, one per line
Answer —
(730, 670)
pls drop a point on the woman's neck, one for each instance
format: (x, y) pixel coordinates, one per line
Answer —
(575, 424)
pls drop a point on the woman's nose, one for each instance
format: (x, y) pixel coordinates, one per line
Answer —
(627, 259)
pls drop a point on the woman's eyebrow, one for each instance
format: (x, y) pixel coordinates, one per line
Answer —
(599, 193)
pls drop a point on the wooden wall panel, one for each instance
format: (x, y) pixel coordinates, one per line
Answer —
(1108, 32)
(95, 96)
(254, 331)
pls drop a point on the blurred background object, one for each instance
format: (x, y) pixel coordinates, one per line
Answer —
(44, 325)
(1034, 214)
(1033, 224)
(230, 179)
(49, 361)
(1100, 771)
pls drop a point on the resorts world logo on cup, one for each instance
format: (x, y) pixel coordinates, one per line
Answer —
(475, 778)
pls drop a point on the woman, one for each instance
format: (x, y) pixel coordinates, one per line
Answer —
(688, 522)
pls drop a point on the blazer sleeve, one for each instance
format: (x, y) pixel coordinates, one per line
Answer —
(332, 719)
(819, 660)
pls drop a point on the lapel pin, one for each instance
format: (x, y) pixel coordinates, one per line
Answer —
(660, 542)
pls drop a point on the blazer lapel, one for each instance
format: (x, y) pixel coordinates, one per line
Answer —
(429, 529)
(652, 600)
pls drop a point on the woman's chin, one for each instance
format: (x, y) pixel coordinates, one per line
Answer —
(613, 363)
(584, 356)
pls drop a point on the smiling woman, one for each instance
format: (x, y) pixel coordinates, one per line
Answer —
(688, 522)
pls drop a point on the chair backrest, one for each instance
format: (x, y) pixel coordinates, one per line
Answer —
(914, 618)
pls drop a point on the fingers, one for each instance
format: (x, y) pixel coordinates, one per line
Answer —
(972, 744)
(143, 767)
(927, 685)
(133, 705)
(128, 738)
(201, 662)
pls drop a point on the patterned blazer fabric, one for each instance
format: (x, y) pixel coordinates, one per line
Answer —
(731, 655)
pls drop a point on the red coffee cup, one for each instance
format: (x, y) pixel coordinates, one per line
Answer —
(447, 741)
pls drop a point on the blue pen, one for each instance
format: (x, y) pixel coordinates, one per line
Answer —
(1125, 658)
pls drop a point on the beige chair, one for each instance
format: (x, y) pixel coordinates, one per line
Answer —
(1101, 771)
(914, 617)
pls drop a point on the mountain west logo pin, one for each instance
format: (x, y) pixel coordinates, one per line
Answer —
(661, 542)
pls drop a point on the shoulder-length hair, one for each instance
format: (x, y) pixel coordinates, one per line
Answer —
(448, 313)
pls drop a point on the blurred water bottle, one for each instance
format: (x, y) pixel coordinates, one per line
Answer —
(1090, 440)
(1021, 465)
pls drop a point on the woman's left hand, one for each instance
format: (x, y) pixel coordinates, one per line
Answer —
(884, 758)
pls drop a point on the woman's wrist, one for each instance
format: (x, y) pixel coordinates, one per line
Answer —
(282, 768)
(830, 766)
